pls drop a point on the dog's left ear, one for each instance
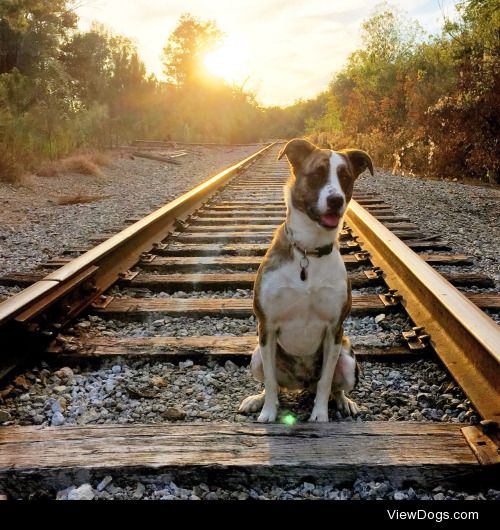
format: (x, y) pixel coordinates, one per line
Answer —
(359, 161)
(296, 151)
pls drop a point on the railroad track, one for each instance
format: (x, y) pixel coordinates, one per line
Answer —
(211, 240)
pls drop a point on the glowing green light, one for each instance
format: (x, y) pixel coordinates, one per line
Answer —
(289, 419)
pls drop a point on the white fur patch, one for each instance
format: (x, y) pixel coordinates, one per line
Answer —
(332, 187)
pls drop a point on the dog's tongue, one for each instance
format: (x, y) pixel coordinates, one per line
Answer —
(329, 220)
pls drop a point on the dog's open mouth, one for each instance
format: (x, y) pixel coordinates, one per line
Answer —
(329, 220)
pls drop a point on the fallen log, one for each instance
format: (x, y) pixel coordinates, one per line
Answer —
(156, 157)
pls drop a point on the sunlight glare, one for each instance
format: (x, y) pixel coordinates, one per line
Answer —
(228, 61)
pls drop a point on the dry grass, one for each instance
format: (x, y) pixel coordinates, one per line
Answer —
(80, 198)
(101, 159)
(10, 170)
(82, 164)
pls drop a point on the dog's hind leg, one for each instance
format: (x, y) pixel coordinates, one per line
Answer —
(268, 345)
(256, 402)
(344, 380)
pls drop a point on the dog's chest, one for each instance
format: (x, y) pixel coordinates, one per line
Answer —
(301, 310)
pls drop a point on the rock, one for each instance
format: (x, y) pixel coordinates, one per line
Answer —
(109, 386)
(59, 389)
(379, 318)
(59, 405)
(174, 414)
(83, 493)
(230, 366)
(139, 492)
(439, 496)
(400, 496)
(57, 419)
(116, 369)
(158, 323)
(212, 496)
(22, 382)
(65, 373)
(4, 416)
(186, 364)
(158, 381)
(104, 483)
(203, 414)
(38, 419)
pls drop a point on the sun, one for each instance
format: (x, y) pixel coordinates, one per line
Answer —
(227, 61)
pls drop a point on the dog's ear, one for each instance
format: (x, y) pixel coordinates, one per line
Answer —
(296, 151)
(359, 161)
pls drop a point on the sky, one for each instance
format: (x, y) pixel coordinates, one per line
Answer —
(286, 49)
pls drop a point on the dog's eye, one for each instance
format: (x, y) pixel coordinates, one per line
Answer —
(344, 176)
(318, 174)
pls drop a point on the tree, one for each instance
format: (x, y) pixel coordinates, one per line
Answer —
(185, 49)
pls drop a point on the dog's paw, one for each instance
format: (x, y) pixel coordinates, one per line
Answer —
(268, 415)
(346, 406)
(251, 404)
(319, 414)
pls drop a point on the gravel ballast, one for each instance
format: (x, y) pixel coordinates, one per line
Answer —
(159, 391)
(34, 227)
(306, 490)
(465, 215)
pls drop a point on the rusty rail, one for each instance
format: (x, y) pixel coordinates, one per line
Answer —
(466, 340)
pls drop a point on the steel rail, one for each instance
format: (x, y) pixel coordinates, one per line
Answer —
(73, 287)
(465, 338)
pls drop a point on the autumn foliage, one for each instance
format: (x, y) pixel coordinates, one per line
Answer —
(422, 105)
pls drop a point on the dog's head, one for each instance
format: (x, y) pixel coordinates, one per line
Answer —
(322, 179)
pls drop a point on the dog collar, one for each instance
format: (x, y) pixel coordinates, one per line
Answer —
(317, 252)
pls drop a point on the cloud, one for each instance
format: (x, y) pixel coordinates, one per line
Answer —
(295, 46)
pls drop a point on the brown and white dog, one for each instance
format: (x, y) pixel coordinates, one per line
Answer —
(302, 293)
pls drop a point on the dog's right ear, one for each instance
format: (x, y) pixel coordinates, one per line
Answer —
(296, 151)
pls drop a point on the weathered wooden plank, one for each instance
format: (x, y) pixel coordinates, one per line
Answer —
(246, 262)
(198, 307)
(240, 308)
(402, 452)
(224, 249)
(259, 249)
(485, 300)
(215, 281)
(228, 220)
(377, 207)
(261, 235)
(250, 203)
(253, 212)
(212, 249)
(227, 205)
(486, 446)
(234, 227)
(73, 348)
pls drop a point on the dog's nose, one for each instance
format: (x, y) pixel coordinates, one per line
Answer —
(335, 202)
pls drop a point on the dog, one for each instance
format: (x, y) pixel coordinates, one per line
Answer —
(302, 293)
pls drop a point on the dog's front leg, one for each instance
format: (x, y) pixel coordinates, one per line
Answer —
(268, 352)
(331, 353)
